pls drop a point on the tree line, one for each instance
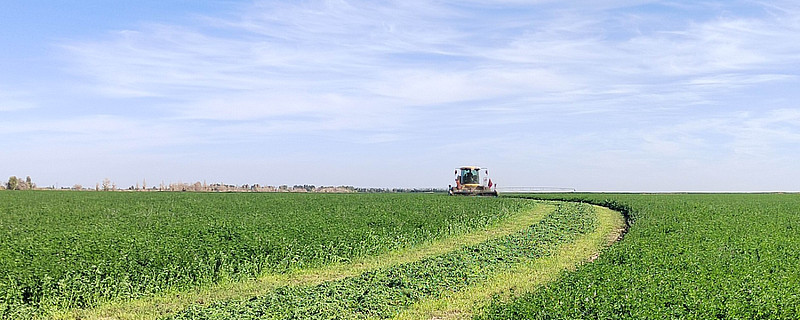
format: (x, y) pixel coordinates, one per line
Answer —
(15, 183)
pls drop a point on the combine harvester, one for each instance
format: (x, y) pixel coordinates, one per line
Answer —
(469, 183)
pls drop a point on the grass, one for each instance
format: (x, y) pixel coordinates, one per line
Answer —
(170, 302)
(524, 278)
(68, 250)
(686, 256)
(385, 292)
(195, 255)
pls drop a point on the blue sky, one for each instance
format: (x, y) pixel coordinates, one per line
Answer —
(621, 95)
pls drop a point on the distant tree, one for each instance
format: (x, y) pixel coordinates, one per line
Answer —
(77, 187)
(13, 183)
(106, 184)
(144, 184)
(30, 184)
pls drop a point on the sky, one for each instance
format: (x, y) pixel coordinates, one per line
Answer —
(618, 95)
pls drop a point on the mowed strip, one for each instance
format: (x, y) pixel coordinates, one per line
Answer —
(385, 292)
(524, 278)
(171, 302)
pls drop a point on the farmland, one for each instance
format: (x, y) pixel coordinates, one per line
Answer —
(67, 250)
(385, 292)
(686, 256)
(368, 256)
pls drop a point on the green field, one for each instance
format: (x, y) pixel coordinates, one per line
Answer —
(99, 255)
(383, 293)
(67, 250)
(686, 256)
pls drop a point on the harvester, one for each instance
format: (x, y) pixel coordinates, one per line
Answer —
(469, 182)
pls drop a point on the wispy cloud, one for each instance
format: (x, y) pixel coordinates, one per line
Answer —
(752, 134)
(633, 80)
(15, 101)
(296, 56)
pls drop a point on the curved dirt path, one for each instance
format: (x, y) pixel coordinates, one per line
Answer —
(171, 302)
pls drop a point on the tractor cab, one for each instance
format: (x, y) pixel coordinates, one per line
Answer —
(469, 176)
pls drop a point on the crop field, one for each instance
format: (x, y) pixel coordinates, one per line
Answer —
(76, 250)
(383, 293)
(101, 255)
(686, 256)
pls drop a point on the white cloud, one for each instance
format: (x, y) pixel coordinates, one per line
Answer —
(753, 134)
(99, 134)
(423, 54)
(15, 101)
